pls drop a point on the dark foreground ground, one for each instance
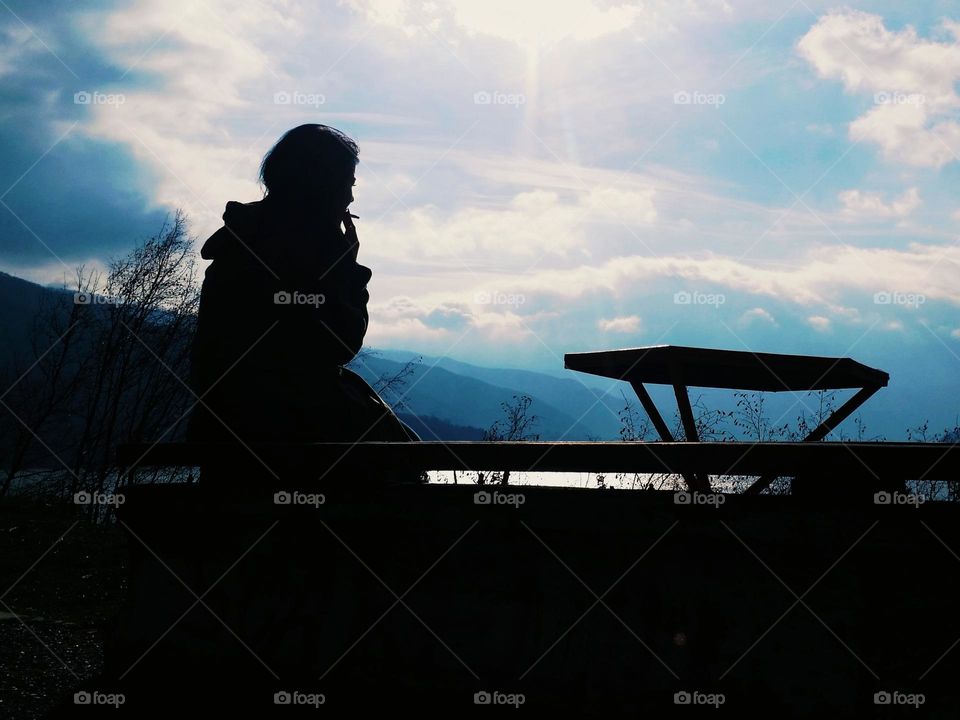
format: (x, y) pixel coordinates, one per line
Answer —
(62, 580)
(582, 603)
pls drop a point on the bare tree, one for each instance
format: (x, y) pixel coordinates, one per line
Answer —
(44, 382)
(113, 367)
(517, 424)
(141, 334)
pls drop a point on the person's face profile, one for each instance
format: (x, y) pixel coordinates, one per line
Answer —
(342, 194)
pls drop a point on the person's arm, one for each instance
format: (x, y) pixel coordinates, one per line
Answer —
(346, 315)
(332, 330)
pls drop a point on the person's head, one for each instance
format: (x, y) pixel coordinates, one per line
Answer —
(312, 165)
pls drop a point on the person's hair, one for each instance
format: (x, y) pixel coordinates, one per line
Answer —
(309, 159)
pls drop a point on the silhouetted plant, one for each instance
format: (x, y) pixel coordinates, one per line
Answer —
(516, 424)
(636, 426)
(932, 488)
(389, 386)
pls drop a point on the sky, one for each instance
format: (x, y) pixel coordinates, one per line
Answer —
(535, 177)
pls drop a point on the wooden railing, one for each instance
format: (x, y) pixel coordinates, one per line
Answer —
(423, 596)
(886, 461)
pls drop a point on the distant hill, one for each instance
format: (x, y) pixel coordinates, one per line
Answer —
(20, 300)
(458, 399)
(594, 402)
(443, 398)
(431, 428)
(435, 391)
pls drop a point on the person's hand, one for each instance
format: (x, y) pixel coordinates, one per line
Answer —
(350, 233)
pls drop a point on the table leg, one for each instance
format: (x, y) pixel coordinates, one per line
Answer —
(821, 431)
(662, 430)
(694, 481)
(841, 414)
(686, 413)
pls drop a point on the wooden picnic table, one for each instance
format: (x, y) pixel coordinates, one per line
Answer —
(681, 367)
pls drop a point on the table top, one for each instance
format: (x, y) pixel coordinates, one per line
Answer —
(732, 369)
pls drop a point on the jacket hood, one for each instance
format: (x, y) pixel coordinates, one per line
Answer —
(240, 220)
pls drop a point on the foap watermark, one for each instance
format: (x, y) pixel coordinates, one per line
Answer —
(91, 298)
(699, 498)
(98, 498)
(295, 97)
(83, 697)
(895, 697)
(499, 698)
(85, 97)
(685, 697)
(484, 97)
(295, 697)
(496, 497)
(685, 297)
(696, 97)
(299, 498)
(499, 298)
(888, 97)
(898, 498)
(907, 299)
(298, 298)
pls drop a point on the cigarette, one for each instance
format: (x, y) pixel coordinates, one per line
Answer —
(354, 216)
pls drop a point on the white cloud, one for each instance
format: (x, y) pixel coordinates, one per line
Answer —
(819, 323)
(208, 64)
(855, 47)
(825, 286)
(955, 334)
(532, 23)
(476, 215)
(628, 205)
(201, 123)
(904, 134)
(755, 315)
(530, 225)
(18, 43)
(859, 205)
(403, 318)
(545, 23)
(404, 330)
(912, 81)
(507, 326)
(628, 324)
(820, 278)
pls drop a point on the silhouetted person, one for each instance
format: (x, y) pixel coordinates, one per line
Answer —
(284, 307)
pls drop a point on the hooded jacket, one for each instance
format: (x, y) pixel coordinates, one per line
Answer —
(282, 307)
